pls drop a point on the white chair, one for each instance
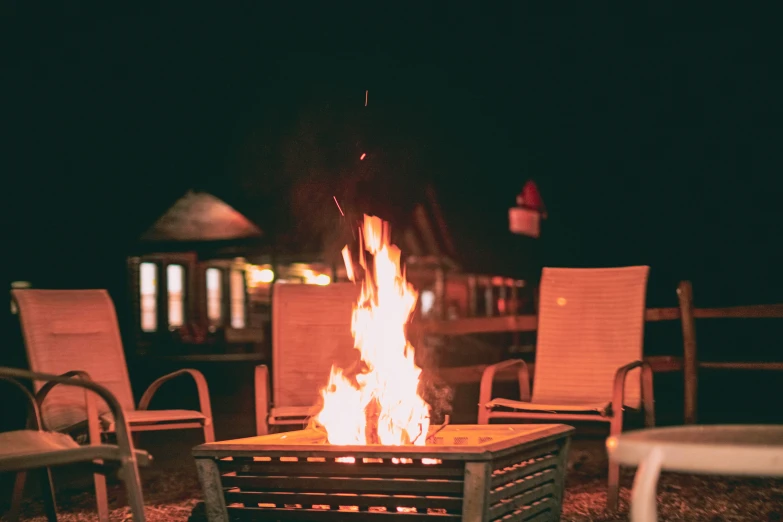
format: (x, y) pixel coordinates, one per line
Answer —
(754, 450)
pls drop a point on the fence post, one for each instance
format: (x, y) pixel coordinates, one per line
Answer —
(690, 363)
(440, 294)
(472, 296)
(489, 297)
(514, 310)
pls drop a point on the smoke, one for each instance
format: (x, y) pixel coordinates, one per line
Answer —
(438, 395)
(432, 388)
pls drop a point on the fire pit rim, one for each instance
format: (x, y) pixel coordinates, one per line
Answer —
(252, 446)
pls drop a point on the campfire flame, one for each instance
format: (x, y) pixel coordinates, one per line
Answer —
(377, 402)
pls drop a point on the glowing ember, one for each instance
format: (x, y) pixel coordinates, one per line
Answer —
(338, 206)
(377, 402)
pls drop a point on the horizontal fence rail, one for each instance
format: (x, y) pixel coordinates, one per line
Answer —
(529, 323)
(686, 313)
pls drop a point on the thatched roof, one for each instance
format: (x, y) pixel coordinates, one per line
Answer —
(199, 216)
(427, 236)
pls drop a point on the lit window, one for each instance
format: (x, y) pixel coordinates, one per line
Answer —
(214, 296)
(175, 281)
(258, 275)
(148, 282)
(427, 302)
(237, 299)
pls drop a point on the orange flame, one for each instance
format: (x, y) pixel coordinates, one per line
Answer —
(380, 404)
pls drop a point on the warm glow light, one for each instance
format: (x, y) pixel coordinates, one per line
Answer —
(311, 278)
(237, 294)
(175, 280)
(148, 289)
(427, 301)
(363, 156)
(214, 296)
(378, 403)
(261, 275)
(348, 265)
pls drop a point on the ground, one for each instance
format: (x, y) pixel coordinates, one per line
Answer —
(172, 492)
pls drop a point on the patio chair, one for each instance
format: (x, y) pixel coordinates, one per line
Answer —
(67, 330)
(37, 449)
(589, 363)
(311, 331)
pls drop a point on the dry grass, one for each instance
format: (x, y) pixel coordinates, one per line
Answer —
(172, 494)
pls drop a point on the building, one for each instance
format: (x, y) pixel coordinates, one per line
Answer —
(202, 275)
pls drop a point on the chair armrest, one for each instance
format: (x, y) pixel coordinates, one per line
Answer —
(488, 378)
(262, 399)
(618, 395)
(143, 458)
(93, 420)
(121, 423)
(201, 386)
(46, 388)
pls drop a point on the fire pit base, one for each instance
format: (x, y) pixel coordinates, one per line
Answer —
(474, 473)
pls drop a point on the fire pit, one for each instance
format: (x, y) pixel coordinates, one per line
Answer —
(369, 451)
(472, 473)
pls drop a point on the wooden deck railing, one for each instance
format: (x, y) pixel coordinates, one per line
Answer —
(688, 363)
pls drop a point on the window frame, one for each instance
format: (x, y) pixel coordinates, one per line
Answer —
(188, 261)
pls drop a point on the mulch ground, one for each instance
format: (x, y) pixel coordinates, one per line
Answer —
(172, 493)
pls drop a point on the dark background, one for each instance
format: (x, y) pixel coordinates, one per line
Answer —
(654, 133)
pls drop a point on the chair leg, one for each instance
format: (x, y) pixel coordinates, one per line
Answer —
(209, 431)
(101, 497)
(129, 473)
(483, 415)
(261, 382)
(648, 401)
(613, 489)
(122, 494)
(50, 504)
(16, 499)
(645, 484)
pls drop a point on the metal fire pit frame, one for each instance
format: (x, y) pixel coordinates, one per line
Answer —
(487, 473)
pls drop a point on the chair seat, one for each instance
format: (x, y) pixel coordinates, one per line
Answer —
(28, 442)
(145, 417)
(26, 449)
(158, 416)
(292, 414)
(599, 408)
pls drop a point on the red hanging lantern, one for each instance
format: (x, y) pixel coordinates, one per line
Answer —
(525, 218)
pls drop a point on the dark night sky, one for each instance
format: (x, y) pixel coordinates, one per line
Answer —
(654, 134)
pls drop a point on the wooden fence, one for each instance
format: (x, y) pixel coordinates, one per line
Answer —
(688, 363)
